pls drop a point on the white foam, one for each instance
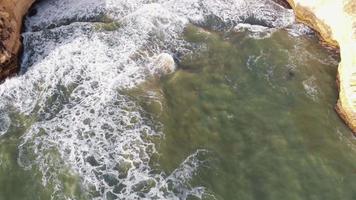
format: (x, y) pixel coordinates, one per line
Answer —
(299, 29)
(311, 88)
(73, 72)
(255, 31)
(5, 122)
(56, 13)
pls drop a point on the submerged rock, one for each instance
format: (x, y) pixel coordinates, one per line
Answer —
(11, 14)
(335, 20)
(163, 65)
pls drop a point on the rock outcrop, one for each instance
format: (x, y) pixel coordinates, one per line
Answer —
(163, 65)
(335, 20)
(11, 14)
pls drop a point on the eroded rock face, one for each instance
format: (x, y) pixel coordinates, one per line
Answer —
(11, 14)
(335, 20)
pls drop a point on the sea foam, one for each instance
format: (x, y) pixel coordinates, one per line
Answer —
(73, 72)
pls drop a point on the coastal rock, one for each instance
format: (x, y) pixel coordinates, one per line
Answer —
(163, 65)
(11, 14)
(282, 3)
(335, 20)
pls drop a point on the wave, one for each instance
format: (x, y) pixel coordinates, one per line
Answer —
(78, 56)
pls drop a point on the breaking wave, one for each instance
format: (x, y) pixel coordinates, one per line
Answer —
(78, 56)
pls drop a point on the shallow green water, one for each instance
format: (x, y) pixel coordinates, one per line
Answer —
(15, 181)
(263, 110)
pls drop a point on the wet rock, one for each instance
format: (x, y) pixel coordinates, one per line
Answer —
(11, 14)
(283, 3)
(163, 64)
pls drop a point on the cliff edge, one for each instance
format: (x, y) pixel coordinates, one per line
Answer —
(11, 14)
(335, 20)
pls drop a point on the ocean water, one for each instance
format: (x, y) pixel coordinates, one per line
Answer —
(247, 115)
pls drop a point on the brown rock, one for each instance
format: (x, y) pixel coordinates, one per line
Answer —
(283, 3)
(11, 14)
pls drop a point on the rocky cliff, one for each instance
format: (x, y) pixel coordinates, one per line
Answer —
(11, 14)
(335, 20)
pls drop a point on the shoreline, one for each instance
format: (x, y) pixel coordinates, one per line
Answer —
(338, 31)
